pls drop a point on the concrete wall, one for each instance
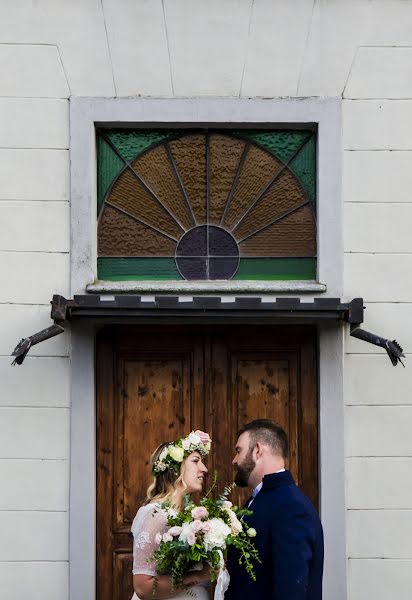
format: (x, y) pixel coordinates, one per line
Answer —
(360, 50)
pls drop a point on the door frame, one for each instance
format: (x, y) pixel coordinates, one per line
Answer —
(326, 114)
(82, 537)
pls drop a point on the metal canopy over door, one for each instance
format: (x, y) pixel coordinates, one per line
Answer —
(154, 385)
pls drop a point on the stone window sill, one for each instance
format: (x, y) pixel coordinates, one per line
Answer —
(206, 287)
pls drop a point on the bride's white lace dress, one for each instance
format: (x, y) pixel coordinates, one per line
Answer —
(149, 521)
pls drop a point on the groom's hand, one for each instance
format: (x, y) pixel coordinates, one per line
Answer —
(198, 577)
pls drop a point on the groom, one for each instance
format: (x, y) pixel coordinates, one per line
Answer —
(289, 533)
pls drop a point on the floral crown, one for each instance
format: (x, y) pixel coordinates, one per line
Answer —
(172, 455)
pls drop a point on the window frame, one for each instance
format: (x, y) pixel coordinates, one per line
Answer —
(322, 113)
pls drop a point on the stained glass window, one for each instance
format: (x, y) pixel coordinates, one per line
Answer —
(206, 205)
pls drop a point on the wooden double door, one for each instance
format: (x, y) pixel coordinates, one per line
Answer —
(155, 385)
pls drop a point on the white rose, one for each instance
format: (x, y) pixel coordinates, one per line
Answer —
(158, 538)
(251, 532)
(177, 453)
(235, 525)
(194, 438)
(163, 454)
(187, 532)
(217, 534)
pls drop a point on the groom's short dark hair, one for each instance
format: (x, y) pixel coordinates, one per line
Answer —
(268, 432)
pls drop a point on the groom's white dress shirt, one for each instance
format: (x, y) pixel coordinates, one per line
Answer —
(259, 487)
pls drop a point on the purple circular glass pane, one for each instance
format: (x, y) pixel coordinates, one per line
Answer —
(207, 252)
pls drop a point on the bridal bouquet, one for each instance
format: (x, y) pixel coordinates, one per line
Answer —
(201, 534)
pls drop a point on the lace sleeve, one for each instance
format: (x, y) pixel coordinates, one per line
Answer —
(151, 522)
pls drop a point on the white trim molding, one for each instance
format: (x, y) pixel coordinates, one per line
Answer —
(325, 114)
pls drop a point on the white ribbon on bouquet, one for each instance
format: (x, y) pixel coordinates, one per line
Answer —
(223, 579)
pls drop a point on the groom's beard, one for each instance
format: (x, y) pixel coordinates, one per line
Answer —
(244, 470)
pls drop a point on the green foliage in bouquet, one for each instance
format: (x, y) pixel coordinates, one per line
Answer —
(200, 534)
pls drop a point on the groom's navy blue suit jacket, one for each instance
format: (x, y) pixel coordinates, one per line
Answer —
(290, 544)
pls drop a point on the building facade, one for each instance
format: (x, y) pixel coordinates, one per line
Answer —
(210, 186)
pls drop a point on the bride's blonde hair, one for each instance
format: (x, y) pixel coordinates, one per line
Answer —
(165, 484)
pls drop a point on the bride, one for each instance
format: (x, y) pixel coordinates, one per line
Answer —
(178, 470)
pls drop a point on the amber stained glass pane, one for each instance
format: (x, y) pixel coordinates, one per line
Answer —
(189, 154)
(224, 159)
(156, 171)
(284, 194)
(130, 195)
(121, 235)
(295, 235)
(258, 169)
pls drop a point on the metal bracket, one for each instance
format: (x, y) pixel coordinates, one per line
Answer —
(394, 350)
(58, 314)
(22, 348)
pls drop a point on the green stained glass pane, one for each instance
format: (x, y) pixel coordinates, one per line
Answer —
(276, 268)
(283, 144)
(141, 269)
(123, 269)
(109, 165)
(304, 167)
(132, 143)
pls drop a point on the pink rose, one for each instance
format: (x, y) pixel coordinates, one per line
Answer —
(175, 531)
(186, 444)
(204, 437)
(191, 539)
(167, 537)
(206, 526)
(158, 538)
(197, 525)
(199, 512)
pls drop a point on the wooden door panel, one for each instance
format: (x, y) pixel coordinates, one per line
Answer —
(122, 578)
(261, 386)
(264, 387)
(251, 381)
(154, 402)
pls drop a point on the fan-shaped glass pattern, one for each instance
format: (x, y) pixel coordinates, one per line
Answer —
(199, 205)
